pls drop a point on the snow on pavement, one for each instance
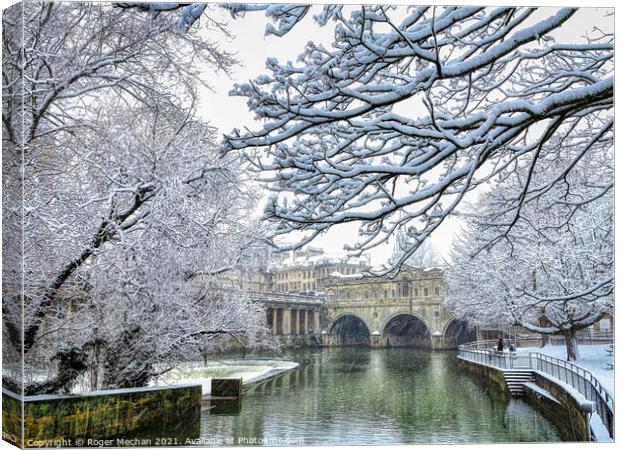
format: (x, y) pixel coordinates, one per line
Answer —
(591, 357)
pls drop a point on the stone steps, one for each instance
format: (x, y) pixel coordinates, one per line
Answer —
(515, 379)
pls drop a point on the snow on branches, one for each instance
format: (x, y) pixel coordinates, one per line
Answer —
(129, 213)
(190, 12)
(284, 16)
(554, 272)
(73, 53)
(410, 109)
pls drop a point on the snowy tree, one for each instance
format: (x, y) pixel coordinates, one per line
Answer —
(426, 254)
(553, 273)
(285, 16)
(73, 53)
(129, 213)
(151, 291)
(411, 109)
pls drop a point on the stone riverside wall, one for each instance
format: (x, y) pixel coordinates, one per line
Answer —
(576, 424)
(119, 417)
(568, 417)
(482, 372)
(11, 418)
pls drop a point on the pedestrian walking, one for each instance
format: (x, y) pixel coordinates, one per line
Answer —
(500, 345)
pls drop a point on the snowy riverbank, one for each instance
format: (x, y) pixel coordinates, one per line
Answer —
(591, 357)
(249, 370)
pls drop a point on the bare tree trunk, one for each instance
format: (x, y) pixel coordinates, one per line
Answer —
(571, 345)
(543, 323)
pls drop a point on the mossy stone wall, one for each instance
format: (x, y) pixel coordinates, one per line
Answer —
(553, 412)
(576, 425)
(482, 372)
(11, 418)
(568, 416)
(226, 387)
(164, 416)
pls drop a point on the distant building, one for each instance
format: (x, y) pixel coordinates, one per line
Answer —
(415, 283)
(307, 271)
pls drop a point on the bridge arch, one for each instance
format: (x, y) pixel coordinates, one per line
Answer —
(349, 329)
(406, 329)
(457, 332)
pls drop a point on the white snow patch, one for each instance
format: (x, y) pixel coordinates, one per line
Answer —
(591, 357)
(598, 429)
(534, 387)
(351, 276)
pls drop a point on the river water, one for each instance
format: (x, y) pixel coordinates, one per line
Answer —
(352, 396)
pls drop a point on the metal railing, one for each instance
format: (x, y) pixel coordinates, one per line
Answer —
(585, 337)
(580, 379)
(583, 381)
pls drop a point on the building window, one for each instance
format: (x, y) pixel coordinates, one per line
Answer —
(426, 292)
(436, 291)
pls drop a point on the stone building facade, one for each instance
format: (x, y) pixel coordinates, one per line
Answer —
(309, 273)
(311, 297)
(406, 310)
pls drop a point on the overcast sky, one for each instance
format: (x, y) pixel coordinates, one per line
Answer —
(253, 48)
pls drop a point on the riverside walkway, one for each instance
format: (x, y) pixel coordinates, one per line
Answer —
(519, 370)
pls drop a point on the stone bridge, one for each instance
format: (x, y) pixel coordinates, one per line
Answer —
(294, 318)
(405, 311)
(372, 311)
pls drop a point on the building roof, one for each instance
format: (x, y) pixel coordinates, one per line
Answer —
(318, 260)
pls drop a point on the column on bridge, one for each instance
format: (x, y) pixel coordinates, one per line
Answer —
(286, 321)
(278, 319)
(316, 320)
(310, 324)
(294, 321)
(302, 321)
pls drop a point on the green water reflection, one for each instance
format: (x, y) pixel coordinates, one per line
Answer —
(379, 396)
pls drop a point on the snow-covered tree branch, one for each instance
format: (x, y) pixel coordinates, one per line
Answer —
(129, 213)
(284, 16)
(554, 272)
(410, 109)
